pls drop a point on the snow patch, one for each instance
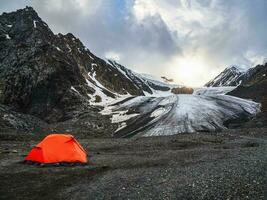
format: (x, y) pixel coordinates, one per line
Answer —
(34, 23)
(58, 48)
(8, 37)
(98, 84)
(68, 46)
(213, 90)
(121, 126)
(98, 92)
(121, 116)
(158, 112)
(72, 88)
(241, 69)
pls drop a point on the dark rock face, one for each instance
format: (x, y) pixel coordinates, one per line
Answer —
(231, 76)
(35, 76)
(38, 68)
(254, 86)
(255, 75)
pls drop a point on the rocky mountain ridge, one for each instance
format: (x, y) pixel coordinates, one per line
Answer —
(32, 55)
(231, 76)
(250, 84)
(55, 78)
(254, 86)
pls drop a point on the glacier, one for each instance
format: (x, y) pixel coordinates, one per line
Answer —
(176, 114)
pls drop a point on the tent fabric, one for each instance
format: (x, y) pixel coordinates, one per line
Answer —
(57, 148)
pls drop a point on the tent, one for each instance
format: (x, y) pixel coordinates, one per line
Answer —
(57, 148)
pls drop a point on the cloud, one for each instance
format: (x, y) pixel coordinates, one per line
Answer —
(212, 34)
(104, 28)
(111, 55)
(188, 40)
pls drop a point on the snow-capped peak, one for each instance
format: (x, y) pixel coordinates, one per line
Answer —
(238, 68)
(149, 84)
(230, 76)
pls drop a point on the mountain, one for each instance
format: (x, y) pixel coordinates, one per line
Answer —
(48, 75)
(52, 82)
(231, 76)
(250, 84)
(254, 86)
(148, 84)
(55, 78)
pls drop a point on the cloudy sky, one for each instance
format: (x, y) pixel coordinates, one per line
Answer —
(190, 41)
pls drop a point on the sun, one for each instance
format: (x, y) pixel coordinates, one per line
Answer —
(186, 68)
(188, 71)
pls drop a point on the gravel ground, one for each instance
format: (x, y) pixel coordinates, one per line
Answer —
(230, 165)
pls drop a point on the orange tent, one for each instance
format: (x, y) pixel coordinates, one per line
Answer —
(56, 148)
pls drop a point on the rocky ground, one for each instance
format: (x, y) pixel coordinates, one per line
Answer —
(229, 165)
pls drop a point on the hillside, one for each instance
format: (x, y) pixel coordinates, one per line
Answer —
(55, 78)
(254, 87)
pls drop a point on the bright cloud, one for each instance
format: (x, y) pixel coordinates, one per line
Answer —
(212, 34)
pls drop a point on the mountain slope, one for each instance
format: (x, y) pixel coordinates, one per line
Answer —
(231, 76)
(55, 77)
(10, 120)
(254, 87)
(146, 83)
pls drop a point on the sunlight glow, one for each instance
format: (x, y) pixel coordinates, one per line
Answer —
(188, 71)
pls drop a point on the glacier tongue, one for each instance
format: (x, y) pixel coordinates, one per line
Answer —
(154, 116)
(214, 90)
